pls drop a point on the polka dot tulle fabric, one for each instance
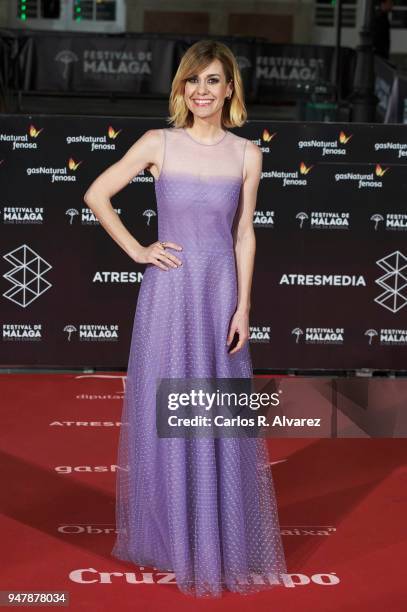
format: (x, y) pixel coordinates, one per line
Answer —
(202, 508)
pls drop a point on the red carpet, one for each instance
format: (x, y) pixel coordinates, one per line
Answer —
(342, 509)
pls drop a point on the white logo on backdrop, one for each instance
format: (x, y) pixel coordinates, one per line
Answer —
(66, 58)
(394, 281)
(26, 275)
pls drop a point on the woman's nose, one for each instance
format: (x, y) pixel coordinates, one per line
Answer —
(202, 89)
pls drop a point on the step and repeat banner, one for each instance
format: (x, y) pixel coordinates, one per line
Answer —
(330, 280)
(145, 64)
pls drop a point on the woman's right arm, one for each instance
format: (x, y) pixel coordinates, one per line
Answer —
(142, 154)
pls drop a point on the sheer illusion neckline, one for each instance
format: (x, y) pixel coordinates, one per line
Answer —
(205, 144)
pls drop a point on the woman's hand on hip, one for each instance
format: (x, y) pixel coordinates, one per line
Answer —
(157, 255)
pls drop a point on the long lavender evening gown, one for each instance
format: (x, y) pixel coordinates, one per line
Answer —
(203, 508)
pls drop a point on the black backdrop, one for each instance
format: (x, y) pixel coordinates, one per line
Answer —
(145, 64)
(330, 281)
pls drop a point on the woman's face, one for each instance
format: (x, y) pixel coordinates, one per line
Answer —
(205, 92)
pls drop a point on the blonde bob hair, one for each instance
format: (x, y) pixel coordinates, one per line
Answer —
(197, 58)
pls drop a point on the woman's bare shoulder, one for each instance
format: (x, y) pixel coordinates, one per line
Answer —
(253, 151)
(251, 147)
(253, 160)
(150, 143)
(153, 136)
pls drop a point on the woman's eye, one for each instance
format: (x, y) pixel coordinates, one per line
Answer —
(213, 81)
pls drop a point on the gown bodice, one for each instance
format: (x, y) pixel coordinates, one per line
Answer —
(198, 190)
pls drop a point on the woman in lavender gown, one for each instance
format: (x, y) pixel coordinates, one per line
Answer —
(202, 508)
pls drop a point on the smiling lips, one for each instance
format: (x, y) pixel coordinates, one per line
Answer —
(202, 102)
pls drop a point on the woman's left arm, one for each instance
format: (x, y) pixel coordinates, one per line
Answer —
(245, 243)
